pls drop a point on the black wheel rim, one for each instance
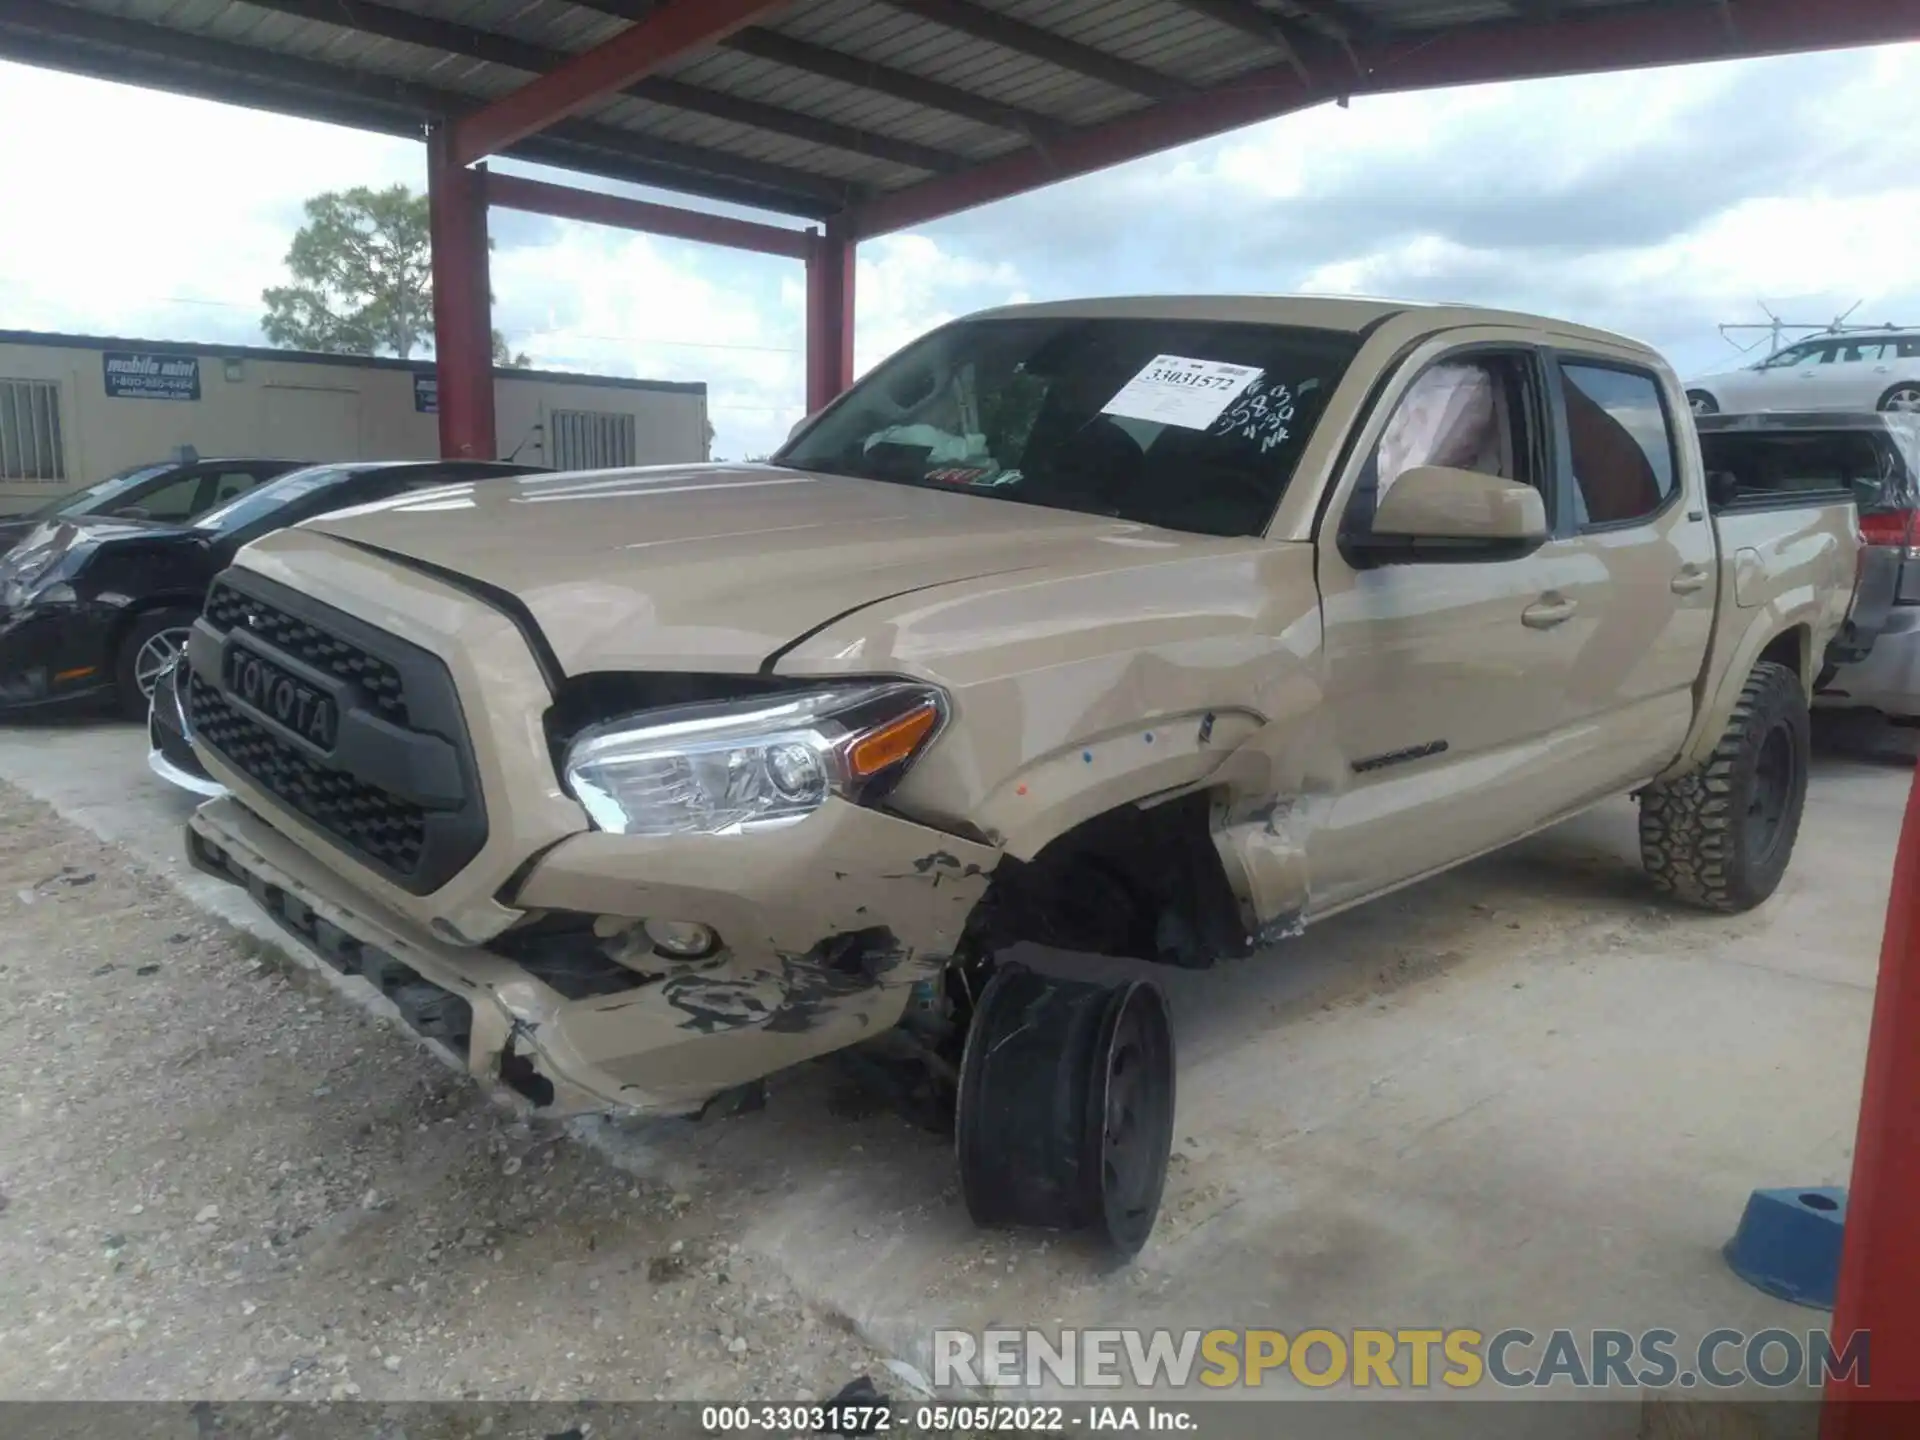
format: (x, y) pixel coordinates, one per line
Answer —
(1136, 1114)
(1065, 1106)
(1776, 775)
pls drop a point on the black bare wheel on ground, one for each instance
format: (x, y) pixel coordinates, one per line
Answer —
(1065, 1111)
(1720, 837)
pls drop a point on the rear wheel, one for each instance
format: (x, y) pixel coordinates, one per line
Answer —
(155, 642)
(1720, 837)
(1703, 403)
(1902, 399)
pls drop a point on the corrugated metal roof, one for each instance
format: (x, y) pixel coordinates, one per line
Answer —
(828, 104)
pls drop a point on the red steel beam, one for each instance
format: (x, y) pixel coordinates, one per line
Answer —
(462, 306)
(1579, 42)
(1880, 1260)
(830, 269)
(672, 30)
(515, 192)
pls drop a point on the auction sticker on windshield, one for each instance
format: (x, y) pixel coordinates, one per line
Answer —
(1179, 390)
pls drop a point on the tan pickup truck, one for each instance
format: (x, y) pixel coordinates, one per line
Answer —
(1157, 628)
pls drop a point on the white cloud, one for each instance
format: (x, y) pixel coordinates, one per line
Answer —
(152, 214)
(905, 285)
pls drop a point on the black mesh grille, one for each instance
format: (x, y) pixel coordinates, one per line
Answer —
(376, 679)
(391, 831)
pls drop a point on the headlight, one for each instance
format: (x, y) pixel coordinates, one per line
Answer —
(40, 578)
(711, 769)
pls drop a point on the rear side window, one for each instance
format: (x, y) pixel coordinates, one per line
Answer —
(1621, 443)
(1759, 468)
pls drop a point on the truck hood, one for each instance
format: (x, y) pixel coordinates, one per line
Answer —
(715, 567)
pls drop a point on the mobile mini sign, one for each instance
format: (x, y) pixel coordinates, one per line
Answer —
(134, 376)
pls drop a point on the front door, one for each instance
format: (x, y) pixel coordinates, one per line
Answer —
(1447, 679)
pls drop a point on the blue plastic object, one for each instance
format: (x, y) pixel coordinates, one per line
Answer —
(1788, 1244)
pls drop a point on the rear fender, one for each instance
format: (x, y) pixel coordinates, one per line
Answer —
(1780, 631)
(1786, 580)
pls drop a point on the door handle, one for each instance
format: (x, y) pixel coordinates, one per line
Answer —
(1548, 611)
(1690, 579)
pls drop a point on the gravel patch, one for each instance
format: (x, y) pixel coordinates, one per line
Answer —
(220, 1180)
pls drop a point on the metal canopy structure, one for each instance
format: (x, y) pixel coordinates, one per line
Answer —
(868, 116)
(864, 116)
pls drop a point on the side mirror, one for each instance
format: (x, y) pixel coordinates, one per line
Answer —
(1439, 503)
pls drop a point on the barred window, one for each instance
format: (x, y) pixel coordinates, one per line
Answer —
(30, 443)
(589, 440)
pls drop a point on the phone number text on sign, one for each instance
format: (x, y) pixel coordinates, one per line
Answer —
(1180, 390)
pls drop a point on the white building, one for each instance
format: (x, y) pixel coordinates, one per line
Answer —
(76, 408)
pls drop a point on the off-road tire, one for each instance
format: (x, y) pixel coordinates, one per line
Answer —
(1695, 837)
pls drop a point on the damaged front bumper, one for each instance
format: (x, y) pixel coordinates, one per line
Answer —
(825, 929)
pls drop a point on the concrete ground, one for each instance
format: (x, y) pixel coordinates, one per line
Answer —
(1526, 1094)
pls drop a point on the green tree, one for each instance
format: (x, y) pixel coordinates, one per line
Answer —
(362, 278)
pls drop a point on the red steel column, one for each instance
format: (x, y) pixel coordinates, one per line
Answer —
(462, 302)
(829, 314)
(1880, 1265)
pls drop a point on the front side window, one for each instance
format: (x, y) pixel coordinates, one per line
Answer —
(1621, 442)
(1190, 425)
(1459, 414)
(1806, 353)
(175, 499)
(100, 495)
(1466, 413)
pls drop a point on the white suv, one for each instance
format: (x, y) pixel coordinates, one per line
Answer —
(1861, 370)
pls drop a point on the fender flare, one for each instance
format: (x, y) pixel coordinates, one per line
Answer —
(1794, 616)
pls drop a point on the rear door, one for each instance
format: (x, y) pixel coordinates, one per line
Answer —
(1636, 512)
(1851, 379)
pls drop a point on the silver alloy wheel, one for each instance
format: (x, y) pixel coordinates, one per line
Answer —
(1903, 401)
(1701, 404)
(161, 650)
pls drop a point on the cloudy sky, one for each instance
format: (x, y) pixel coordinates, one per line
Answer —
(1657, 203)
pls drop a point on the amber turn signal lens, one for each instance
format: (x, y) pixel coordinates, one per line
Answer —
(892, 742)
